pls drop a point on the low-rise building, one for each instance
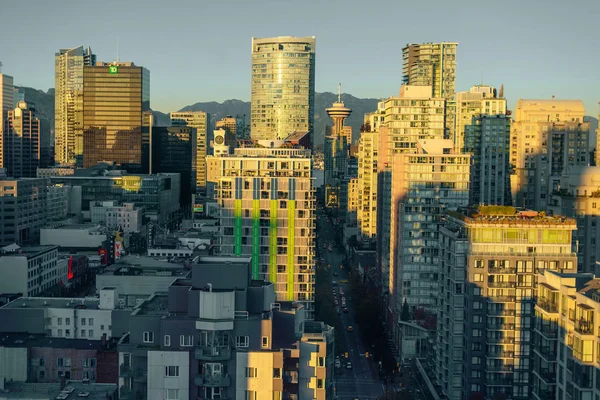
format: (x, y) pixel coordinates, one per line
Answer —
(221, 334)
(127, 217)
(74, 236)
(31, 270)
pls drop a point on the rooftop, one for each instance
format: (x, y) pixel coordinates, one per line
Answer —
(128, 270)
(158, 263)
(21, 340)
(91, 303)
(28, 251)
(157, 304)
(506, 215)
(73, 390)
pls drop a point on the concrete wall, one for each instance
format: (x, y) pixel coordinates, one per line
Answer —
(13, 363)
(101, 323)
(77, 238)
(217, 305)
(135, 285)
(158, 382)
(13, 275)
(262, 383)
(30, 320)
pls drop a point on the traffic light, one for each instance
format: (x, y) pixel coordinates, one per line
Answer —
(346, 354)
(367, 354)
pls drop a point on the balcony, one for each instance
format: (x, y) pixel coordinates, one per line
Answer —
(214, 380)
(547, 306)
(125, 370)
(501, 327)
(544, 394)
(546, 352)
(584, 327)
(501, 312)
(503, 340)
(499, 368)
(208, 353)
(547, 375)
(502, 299)
(501, 354)
(549, 331)
(499, 382)
(501, 270)
(501, 284)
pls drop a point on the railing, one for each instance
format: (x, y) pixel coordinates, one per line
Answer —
(584, 327)
(583, 357)
(212, 353)
(499, 368)
(549, 376)
(216, 380)
(499, 382)
(547, 306)
(546, 352)
(501, 327)
(501, 284)
(549, 331)
(501, 270)
(501, 354)
(501, 312)
(504, 340)
(502, 299)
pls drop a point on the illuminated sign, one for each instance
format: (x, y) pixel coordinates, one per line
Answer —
(198, 208)
(113, 69)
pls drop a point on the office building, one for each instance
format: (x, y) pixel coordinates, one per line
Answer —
(157, 194)
(30, 270)
(425, 185)
(480, 100)
(547, 136)
(222, 334)
(283, 87)
(115, 134)
(68, 103)
(433, 64)
(200, 121)
(22, 212)
(487, 139)
(565, 349)
(174, 150)
(489, 258)
(267, 211)
(21, 142)
(235, 125)
(578, 197)
(336, 153)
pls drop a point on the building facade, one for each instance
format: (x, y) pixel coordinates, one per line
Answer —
(283, 87)
(21, 142)
(115, 134)
(267, 211)
(22, 210)
(489, 261)
(336, 154)
(578, 197)
(68, 103)
(366, 207)
(221, 335)
(487, 139)
(547, 136)
(6, 104)
(200, 121)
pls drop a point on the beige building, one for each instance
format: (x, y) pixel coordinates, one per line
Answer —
(267, 210)
(373, 120)
(479, 100)
(489, 259)
(578, 196)
(433, 64)
(351, 218)
(200, 121)
(566, 345)
(366, 207)
(283, 87)
(547, 136)
(68, 103)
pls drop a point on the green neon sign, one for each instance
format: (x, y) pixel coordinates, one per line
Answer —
(113, 69)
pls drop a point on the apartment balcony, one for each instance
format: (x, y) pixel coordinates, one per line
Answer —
(548, 331)
(548, 376)
(502, 340)
(502, 299)
(499, 382)
(501, 270)
(547, 306)
(501, 327)
(499, 368)
(501, 354)
(584, 327)
(215, 380)
(501, 284)
(208, 353)
(546, 352)
(125, 371)
(501, 313)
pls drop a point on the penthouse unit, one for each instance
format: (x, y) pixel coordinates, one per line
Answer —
(22, 205)
(489, 260)
(221, 335)
(158, 194)
(267, 210)
(30, 270)
(566, 349)
(578, 196)
(88, 318)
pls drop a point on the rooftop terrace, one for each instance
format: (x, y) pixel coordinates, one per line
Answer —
(506, 215)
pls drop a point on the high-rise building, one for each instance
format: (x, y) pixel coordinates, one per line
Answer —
(200, 121)
(433, 64)
(267, 211)
(488, 263)
(68, 103)
(174, 151)
(283, 87)
(336, 153)
(366, 207)
(578, 197)
(235, 125)
(478, 101)
(6, 104)
(565, 348)
(23, 210)
(547, 136)
(487, 139)
(113, 119)
(20, 142)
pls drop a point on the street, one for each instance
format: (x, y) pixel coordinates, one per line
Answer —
(361, 381)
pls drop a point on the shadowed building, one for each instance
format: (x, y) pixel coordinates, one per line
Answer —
(198, 120)
(115, 97)
(20, 142)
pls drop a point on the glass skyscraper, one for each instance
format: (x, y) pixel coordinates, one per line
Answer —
(283, 87)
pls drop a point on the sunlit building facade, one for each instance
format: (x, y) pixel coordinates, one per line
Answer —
(201, 122)
(547, 136)
(489, 259)
(68, 103)
(267, 211)
(115, 97)
(283, 87)
(366, 207)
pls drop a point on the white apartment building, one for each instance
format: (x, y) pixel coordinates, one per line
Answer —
(126, 217)
(30, 270)
(267, 211)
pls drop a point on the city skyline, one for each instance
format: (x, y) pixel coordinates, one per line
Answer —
(226, 57)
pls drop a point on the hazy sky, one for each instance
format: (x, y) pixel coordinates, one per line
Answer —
(199, 50)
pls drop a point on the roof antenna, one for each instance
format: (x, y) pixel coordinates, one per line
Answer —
(339, 92)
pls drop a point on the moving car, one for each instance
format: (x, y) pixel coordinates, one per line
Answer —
(350, 328)
(349, 365)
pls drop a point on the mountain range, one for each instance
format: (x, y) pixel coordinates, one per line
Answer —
(44, 103)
